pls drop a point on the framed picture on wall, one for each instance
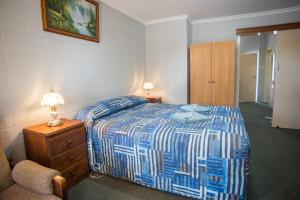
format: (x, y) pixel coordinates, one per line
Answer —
(75, 18)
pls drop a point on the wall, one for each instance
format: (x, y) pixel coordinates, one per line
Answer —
(189, 40)
(249, 44)
(226, 30)
(287, 93)
(262, 45)
(31, 61)
(167, 59)
(271, 42)
(267, 77)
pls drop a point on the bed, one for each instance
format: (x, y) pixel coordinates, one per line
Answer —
(138, 141)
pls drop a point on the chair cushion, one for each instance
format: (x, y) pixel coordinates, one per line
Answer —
(5, 173)
(34, 177)
(17, 192)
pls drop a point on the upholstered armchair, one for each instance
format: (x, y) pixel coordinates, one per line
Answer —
(31, 181)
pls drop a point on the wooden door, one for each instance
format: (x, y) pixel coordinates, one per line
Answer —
(223, 62)
(248, 65)
(200, 74)
(286, 110)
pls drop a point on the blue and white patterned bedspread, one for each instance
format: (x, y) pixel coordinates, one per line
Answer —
(141, 143)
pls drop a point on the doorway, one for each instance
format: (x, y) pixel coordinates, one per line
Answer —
(248, 77)
(256, 67)
(278, 50)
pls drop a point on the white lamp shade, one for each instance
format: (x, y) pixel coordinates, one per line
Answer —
(148, 86)
(52, 99)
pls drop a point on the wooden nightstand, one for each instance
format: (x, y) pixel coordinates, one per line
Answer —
(62, 148)
(153, 99)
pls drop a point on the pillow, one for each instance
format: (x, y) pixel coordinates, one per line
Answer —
(137, 100)
(107, 107)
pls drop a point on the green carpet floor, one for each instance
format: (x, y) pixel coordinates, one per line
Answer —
(274, 172)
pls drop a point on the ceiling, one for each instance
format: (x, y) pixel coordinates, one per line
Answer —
(149, 10)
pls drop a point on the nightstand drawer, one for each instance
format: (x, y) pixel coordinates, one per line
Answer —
(66, 141)
(75, 172)
(68, 158)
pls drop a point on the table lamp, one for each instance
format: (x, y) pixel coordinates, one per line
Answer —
(148, 86)
(52, 99)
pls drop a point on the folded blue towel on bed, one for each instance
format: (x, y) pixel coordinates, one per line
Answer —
(194, 108)
(188, 117)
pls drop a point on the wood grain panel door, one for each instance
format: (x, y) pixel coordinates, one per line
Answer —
(223, 62)
(200, 74)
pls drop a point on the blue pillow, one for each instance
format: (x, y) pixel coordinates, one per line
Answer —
(107, 107)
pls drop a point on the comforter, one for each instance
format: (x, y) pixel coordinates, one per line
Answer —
(138, 141)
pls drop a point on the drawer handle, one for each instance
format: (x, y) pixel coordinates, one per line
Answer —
(71, 157)
(69, 142)
(73, 173)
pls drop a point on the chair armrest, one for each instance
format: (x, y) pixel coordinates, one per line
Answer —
(34, 177)
(60, 188)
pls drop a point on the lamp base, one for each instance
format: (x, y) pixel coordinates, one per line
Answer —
(55, 122)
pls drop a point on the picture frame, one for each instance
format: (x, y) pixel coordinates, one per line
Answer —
(74, 18)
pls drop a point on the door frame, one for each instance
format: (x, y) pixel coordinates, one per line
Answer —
(270, 28)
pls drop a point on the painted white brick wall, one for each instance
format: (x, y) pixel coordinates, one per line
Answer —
(166, 59)
(249, 43)
(31, 61)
